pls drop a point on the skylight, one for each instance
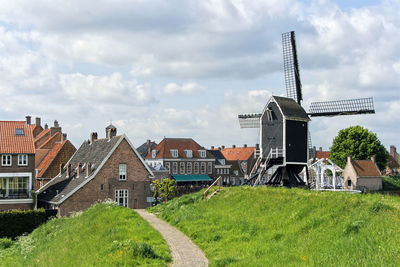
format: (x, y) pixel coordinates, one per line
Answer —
(19, 131)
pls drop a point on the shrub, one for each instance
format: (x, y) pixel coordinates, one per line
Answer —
(17, 222)
(6, 243)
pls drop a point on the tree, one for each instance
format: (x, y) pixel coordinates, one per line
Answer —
(359, 143)
(156, 190)
(168, 189)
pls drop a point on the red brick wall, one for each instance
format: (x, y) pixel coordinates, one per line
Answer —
(23, 206)
(137, 183)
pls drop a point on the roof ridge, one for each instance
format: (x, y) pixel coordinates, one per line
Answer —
(48, 140)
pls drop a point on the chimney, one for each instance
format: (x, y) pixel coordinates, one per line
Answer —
(28, 120)
(46, 126)
(212, 147)
(55, 129)
(88, 168)
(148, 141)
(223, 147)
(37, 121)
(219, 148)
(93, 137)
(111, 131)
(78, 169)
(349, 159)
(245, 145)
(61, 168)
(320, 148)
(373, 159)
(233, 146)
(68, 170)
(56, 124)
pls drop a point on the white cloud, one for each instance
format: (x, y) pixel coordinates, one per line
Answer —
(187, 88)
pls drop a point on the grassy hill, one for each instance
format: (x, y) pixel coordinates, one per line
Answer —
(103, 235)
(244, 226)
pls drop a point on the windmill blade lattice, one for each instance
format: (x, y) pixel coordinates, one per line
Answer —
(291, 67)
(251, 120)
(342, 107)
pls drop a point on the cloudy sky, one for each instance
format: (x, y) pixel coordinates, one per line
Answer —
(187, 68)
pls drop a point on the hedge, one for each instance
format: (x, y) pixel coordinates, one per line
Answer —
(17, 222)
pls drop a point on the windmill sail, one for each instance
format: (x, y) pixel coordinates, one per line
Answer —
(291, 67)
(251, 120)
(342, 107)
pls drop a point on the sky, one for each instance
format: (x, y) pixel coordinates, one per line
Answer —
(158, 69)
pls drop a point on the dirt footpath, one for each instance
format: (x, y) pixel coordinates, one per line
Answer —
(184, 251)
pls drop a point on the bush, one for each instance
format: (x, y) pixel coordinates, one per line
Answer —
(17, 222)
(6, 243)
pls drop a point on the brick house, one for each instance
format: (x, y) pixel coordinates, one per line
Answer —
(320, 154)
(186, 160)
(51, 149)
(108, 168)
(17, 168)
(222, 167)
(362, 175)
(392, 166)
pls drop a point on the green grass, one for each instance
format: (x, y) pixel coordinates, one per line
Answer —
(244, 226)
(391, 183)
(103, 235)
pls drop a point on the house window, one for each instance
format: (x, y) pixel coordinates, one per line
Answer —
(22, 159)
(19, 131)
(349, 183)
(168, 166)
(174, 168)
(17, 187)
(154, 153)
(122, 172)
(202, 153)
(121, 197)
(196, 167)
(182, 168)
(189, 168)
(210, 168)
(174, 153)
(203, 167)
(188, 153)
(102, 187)
(6, 160)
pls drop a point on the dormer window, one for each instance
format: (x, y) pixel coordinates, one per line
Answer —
(174, 153)
(202, 153)
(19, 131)
(154, 153)
(188, 153)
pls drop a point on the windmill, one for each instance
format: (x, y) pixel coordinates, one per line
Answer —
(284, 134)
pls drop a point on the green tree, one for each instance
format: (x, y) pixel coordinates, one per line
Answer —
(359, 143)
(168, 189)
(156, 190)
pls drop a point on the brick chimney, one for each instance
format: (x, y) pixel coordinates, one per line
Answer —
(233, 146)
(55, 129)
(148, 141)
(88, 169)
(46, 126)
(63, 137)
(245, 145)
(37, 121)
(28, 120)
(320, 148)
(212, 147)
(78, 169)
(93, 137)
(111, 131)
(223, 147)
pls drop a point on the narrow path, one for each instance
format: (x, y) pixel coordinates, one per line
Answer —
(184, 251)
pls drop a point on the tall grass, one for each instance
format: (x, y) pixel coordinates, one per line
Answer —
(103, 235)
(246, 226)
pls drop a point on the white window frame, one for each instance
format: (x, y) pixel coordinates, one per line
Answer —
(182, 168)
(174, 167)
(122, 172)
(189, 168)
(122, 194)
(203, 168)
(22, 160)
(188, 153)
(202, 153)
(196, 168)
(168, 166)
(6, 160)
(174, 153)
(209, 167)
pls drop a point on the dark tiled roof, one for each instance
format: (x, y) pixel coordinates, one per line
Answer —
(365, 168)
(144, 148)
(216, 153)
(12, 143)
(94, 153)
(290, 108)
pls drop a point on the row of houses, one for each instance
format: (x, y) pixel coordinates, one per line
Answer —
(39, 163)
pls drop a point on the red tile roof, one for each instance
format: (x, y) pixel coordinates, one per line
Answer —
(321, 154)
(39, 155)
(366, 168)
(238, 153)
(49, 158)
(12, 143)
(48, 144)
(181, 144)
